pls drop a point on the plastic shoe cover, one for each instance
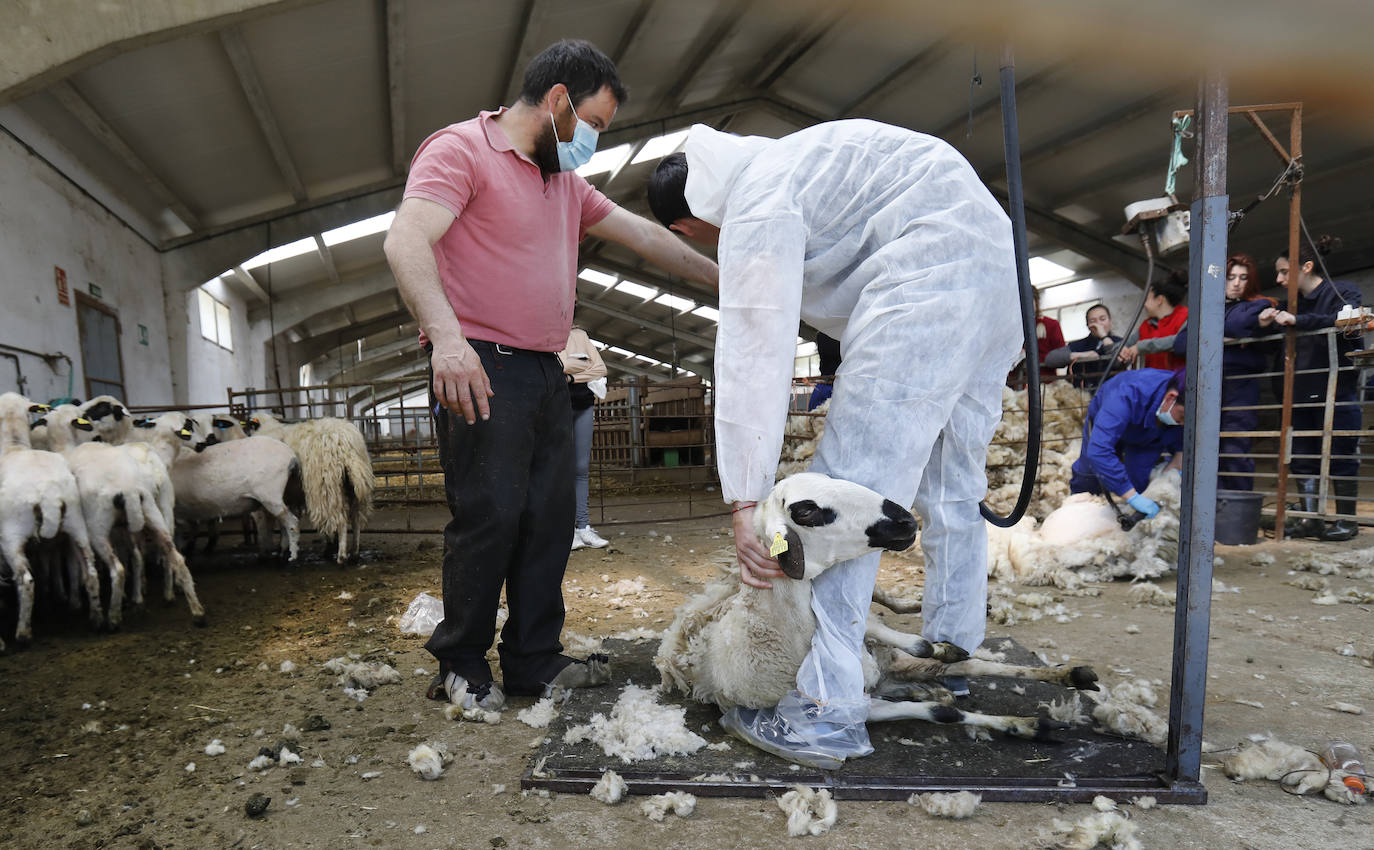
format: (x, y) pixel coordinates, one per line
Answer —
(957, 685)
(488, 696)
(816, 744)
(591, 539)
(577, 540)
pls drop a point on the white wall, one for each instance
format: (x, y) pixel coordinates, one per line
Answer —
(46, 222)
(210, 368)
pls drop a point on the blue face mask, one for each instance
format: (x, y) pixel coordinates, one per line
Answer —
(575, 153)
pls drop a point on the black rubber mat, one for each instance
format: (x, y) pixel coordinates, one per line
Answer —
(909, 755)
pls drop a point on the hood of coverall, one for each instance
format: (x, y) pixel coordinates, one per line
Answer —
(714, 161)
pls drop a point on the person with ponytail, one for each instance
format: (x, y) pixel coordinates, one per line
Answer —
(1320, 300)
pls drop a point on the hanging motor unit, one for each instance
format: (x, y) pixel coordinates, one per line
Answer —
(1165, 219)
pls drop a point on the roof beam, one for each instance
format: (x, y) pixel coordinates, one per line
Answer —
(311, 348)
(1129, 263)
(417, 383)
(327, 257)
(795, 43)
(712, 37)
(395, 83)
(309, 301)
(1137, 169)
(242, 60)
(648, 324)
(699, 294)
(330, 372)
(247, 281)
(708, 112)
(526, 48)
(1086, 131)
(636, 23)
(81, 109)
(897, 78)
(1024, 87)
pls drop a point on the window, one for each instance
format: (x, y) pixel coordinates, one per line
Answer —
(214, 321)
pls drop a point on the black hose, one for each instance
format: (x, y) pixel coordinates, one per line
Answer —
(1017, 208)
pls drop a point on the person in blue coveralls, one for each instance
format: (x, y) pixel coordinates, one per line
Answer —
(1132, 422)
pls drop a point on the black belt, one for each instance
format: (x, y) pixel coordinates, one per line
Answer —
(497, 347)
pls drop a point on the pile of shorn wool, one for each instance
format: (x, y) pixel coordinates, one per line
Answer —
(1063, 410)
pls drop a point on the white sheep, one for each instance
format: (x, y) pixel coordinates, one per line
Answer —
(39, 501)
(154, 453)
(824, 521)
(110, 417)
(121, 485)
(218, 428)
(1082, 541)
(337, 471)
(240, 477)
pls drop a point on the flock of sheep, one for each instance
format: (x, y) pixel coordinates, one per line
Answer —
(91, 488)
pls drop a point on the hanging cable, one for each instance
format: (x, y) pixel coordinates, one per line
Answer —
(976, 81)
(1016, 206)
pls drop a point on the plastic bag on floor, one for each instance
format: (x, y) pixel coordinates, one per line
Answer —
(422, 615)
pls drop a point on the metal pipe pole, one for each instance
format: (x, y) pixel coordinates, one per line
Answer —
(1290, 342)
(1207, 270)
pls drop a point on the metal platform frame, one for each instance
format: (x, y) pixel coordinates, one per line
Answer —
(1180, 781)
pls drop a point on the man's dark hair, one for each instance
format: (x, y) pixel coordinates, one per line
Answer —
(576, 64)
(668, 188)
(1173, 289)
(1098, 306)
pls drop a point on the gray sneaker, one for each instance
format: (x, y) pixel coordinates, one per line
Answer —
(488, 695)
(770, 732)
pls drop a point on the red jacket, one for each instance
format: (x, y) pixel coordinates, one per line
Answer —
(1051, 339)
(1167, 326)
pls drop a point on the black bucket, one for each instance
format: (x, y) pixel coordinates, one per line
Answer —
(1238, 517)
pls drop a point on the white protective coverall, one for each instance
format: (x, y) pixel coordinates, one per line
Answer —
(886, 240)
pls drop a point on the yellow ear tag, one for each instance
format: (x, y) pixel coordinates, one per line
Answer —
(779, 545)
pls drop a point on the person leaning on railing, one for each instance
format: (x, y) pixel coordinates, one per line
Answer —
(1319, 302)
(1089, 357)
(1166, 312)
(1248, 314)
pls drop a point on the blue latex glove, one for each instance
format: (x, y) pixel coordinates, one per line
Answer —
(1144, 504)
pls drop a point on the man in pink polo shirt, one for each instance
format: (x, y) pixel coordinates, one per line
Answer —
(484, 250)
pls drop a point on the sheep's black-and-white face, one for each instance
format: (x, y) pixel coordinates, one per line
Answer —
(826, 520)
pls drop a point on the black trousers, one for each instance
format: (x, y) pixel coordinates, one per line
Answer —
(509, 485)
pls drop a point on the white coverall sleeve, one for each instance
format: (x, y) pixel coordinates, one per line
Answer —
(756, 347)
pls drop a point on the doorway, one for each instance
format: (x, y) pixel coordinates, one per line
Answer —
(98, 326)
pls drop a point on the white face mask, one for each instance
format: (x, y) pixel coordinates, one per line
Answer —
(576, 152)
(1166, 415)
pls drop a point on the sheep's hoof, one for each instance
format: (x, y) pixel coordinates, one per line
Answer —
(23, 641)
(948, 653)
(1045, 728)
(199, 621)
(921, 648)
(1083, 679)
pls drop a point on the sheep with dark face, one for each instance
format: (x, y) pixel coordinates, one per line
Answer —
(736, 645)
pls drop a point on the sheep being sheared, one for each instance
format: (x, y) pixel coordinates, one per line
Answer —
(1082, 541)
(735, 645)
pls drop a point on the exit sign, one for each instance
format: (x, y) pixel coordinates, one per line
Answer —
(95, 290)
